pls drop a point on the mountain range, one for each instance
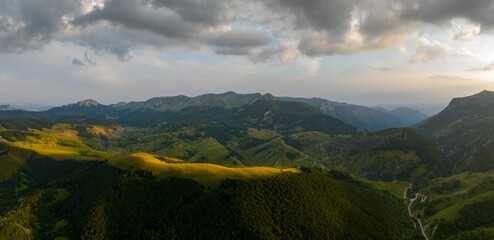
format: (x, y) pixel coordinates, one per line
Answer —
(247, 166)
(359, 116)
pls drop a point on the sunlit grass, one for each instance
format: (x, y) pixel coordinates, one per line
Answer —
(59, 142)
(205, 173)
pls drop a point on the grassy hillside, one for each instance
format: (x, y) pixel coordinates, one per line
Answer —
(61, 141)
(460, 206)
(204, 173)
(394, 154)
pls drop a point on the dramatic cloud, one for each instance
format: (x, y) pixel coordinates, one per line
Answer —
(255, 29)
(134, 15)
(237, 42)
(320, 15)
(26, 24)
(211, 12)
(441, 11)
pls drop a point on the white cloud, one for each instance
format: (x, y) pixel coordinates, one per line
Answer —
(288, 55)
(289, 52)
(311, 65)
(465, 53)
(427, 50)
(402, 49)
(462, 30)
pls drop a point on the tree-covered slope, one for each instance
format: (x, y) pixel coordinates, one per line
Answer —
(465, 131)
(393, 154)
(97, 201)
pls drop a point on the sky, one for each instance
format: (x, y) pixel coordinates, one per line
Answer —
(366, 52)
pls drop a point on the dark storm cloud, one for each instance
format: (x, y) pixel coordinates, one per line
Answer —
(115, 40)
(237, 42)
(210, 12)
(238, 39)
(328, 15)
(330, 27)
(44, 17)
(188, 22)
(439, 11)
(135, 15)
(233, 51)
(27, 24)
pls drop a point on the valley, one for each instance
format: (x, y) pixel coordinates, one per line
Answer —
(257, 163)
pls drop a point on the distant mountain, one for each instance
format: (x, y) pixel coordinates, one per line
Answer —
(264, 113)
(159, 107)
(291, 115)
(88, 103)
(465, 130)
(7, 108)
(177, 103)
(408, 116)
(428, 109)
(358, 116)
(88, 108)
(236, 110)
(27, 106)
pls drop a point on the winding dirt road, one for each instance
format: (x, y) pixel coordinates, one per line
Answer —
(410, 210)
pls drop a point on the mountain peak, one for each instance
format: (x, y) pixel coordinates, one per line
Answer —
(88, 103)
(228, 93)
(485, 93)
(269, 96)
(482, 99)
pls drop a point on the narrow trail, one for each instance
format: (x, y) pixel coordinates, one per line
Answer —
(410, 210)
(302, 159)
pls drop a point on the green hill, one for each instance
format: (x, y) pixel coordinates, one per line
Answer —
(97, 201)
(460, 206)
